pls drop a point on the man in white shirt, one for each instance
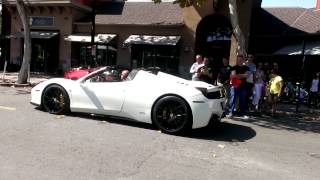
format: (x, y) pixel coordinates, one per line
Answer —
(195, 66)
(314, 90)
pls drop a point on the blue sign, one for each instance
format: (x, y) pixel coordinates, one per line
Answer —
(41, 21)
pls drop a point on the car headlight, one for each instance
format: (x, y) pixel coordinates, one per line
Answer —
(204, 91)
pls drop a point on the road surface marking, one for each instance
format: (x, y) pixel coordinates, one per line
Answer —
(8, 108)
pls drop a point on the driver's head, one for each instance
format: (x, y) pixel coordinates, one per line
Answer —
(124, 74)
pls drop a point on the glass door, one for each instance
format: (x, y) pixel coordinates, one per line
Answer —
(38, 56)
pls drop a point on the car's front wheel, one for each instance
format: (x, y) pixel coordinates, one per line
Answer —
(55, 100)
(172, 115)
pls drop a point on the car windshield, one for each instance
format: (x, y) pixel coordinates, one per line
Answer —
(107, 75)
(112, 75)
(132, 75)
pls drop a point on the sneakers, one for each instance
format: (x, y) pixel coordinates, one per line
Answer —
(230, 115)
(242, 117)
(245, 117)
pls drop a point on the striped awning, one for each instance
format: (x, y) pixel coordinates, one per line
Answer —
(152, 40)
(35, 35)
(311, 48)
(100, 38)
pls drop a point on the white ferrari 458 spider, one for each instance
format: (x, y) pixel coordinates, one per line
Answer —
(172, 104)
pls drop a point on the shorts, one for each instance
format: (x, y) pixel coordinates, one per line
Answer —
(274, 97)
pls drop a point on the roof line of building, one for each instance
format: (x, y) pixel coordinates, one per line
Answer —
(156, 24)
(299, 17)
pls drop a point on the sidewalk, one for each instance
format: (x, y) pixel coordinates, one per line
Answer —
(10, 79)
(285, 111)
(304, 112)
(305, 120)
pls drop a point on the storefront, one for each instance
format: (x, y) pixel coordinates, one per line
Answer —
(49, 24)
(155, 52)
(214, 39)
(104, 53)
(151, 42)
(193, 30)
(295, 47)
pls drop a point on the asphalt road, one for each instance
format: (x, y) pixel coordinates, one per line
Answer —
(37, 145)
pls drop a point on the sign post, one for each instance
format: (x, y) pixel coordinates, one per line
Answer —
(4, 70)
(93, 32)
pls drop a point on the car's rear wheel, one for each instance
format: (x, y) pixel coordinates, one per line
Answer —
(55, 100)
(172, 115)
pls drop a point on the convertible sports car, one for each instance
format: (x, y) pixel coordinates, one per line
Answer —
(172, 104)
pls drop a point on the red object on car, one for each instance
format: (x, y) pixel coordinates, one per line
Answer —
(77, 73)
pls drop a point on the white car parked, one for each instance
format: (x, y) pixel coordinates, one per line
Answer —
(172, 104)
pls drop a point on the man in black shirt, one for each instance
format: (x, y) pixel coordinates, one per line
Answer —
(224, 79)
(239, 74)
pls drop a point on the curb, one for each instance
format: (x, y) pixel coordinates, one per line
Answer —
(17, 85)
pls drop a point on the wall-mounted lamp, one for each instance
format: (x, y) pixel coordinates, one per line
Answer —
(187, 49)
(124, 46)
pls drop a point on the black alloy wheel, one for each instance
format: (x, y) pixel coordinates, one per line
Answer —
(172, 115)
(55, 100)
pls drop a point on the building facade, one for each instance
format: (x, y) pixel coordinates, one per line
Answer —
(132, 34)
(289, 37)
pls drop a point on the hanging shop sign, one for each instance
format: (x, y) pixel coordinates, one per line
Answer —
(41, 21)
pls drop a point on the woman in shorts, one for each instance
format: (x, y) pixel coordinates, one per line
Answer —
(275, 88)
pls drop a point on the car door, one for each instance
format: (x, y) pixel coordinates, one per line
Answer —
(102, 93)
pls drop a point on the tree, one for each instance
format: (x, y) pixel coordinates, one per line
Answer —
(25, 66)
(241, 45)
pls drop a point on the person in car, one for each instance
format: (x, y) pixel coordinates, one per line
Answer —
(124, 74)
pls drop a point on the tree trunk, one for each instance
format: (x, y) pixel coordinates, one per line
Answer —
(241, 44)
(25, 67)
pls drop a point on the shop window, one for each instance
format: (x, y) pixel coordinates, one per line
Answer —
(105, 55)
(164, 58)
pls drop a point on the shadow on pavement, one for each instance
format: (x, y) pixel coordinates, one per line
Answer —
(285, 122)
(226, 131)
(305, 120)
(115, 120)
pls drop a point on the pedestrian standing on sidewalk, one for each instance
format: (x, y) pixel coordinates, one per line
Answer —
(224, 79)
(204, 72)
(275, 85)
(258, 85)
(250, 80)
(195, 66)
(239, 74)
(265, 89)
(267, 71)
(314, 90)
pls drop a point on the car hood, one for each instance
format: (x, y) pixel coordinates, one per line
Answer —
(60, 81)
